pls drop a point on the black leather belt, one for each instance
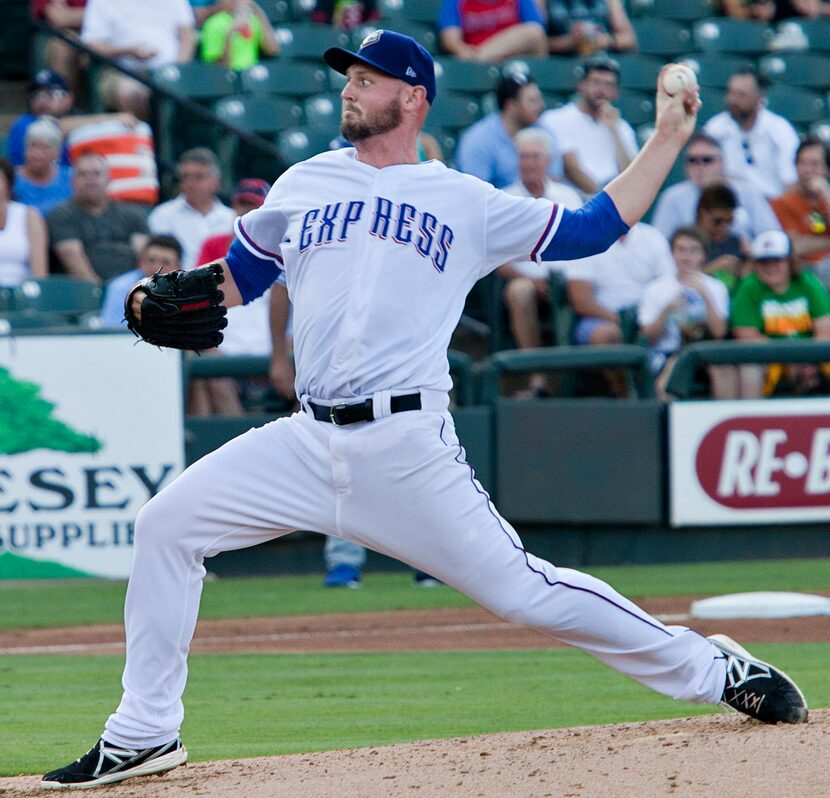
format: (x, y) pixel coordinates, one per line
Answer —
(343, 414)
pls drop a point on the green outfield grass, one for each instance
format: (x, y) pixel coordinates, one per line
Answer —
(41, 604)
(260, 704)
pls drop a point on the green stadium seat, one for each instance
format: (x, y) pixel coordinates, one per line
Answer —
(454, 111)
(58, 293)
(196, 80)
(816, 30)
(425, 11)
(557, 74)
(322, 111)
(6, 299)
(300, 143)
(663, 37)
(32, 320)
(800, 106)
(469, 77)
(821, 129)
(680, 10)
(447, 140)
(290, 78)
(714, 69)
(259, 114)
(729, 35)
(301, 9)
(811, 70)
(637, 108)
(639, 72)
(713, 103)
(277, 11)
(307, 40)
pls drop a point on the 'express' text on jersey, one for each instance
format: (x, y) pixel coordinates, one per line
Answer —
(401, 222)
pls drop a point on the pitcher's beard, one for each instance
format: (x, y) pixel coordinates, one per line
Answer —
(381, 121)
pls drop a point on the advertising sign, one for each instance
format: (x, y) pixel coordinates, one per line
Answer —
(749, 462)
(76, 462)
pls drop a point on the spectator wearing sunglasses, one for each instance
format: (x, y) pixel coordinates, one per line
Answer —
(703, 166)
(758, 145)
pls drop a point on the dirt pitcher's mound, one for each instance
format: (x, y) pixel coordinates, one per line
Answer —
(713, 755)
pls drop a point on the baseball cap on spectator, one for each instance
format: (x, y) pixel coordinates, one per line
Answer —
(251, 190)
(47, 79)
(771, 245)
(394, 54)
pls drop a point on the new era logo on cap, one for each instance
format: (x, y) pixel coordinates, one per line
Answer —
(411, 72)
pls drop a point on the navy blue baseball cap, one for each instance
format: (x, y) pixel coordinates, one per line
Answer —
(394, 54)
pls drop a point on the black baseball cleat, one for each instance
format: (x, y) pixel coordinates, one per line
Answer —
(105, 763)
(757, 689)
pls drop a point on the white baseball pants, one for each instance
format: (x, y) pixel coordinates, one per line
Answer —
(399, 485)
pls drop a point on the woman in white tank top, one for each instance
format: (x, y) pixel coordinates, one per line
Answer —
(23, 237)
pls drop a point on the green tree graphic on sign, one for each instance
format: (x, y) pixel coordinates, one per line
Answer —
(26, 422)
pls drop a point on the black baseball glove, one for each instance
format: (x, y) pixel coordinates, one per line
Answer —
(181, 310)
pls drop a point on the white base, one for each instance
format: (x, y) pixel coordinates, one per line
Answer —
(762, 604)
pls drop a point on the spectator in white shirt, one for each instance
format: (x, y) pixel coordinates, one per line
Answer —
(596, 143)
(757, 145)
(703, 165)
(601, 286)
(527, 291)
(140, 36)
(197, 212)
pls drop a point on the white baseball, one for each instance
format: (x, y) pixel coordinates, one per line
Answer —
(677, 78)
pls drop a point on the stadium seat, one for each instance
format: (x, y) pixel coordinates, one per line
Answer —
(637, 108)
(291, 78)
(469, 77)
(277, 11)
(300, 143)
(322, 111)
(425, 11)
(196, 80)
(811, 70)
(713, 103)
(817, 32)
(714, 69)
(259, 113)
(454, 111)
(663, 37)
(58, 293)
(301, 9)
(680, 10)
(729, 35)
(31, 320)
(558, 74)
(6, 299)
(446, 139)
(821, 129)
(309, 41)
(639, 72)
(800, 106)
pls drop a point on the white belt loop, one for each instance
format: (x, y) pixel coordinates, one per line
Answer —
(304, 404)
(382, 404)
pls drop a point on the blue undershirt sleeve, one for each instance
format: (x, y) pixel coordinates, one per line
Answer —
(586, 231)
(253, 275)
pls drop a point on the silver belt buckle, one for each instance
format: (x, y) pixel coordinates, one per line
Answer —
(331, 413)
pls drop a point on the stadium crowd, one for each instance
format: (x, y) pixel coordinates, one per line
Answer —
(737, 244)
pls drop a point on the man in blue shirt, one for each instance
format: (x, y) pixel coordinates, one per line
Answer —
(486, 149)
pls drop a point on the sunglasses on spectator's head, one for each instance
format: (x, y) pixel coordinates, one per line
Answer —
(698, 159)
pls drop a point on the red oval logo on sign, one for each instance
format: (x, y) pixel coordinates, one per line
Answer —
(767, 461)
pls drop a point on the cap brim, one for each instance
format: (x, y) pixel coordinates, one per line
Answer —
(340, 60)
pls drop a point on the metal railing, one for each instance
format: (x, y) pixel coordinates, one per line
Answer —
(182, 101)
(692, 358)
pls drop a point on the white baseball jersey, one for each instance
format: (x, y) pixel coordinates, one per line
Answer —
(376, 257)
